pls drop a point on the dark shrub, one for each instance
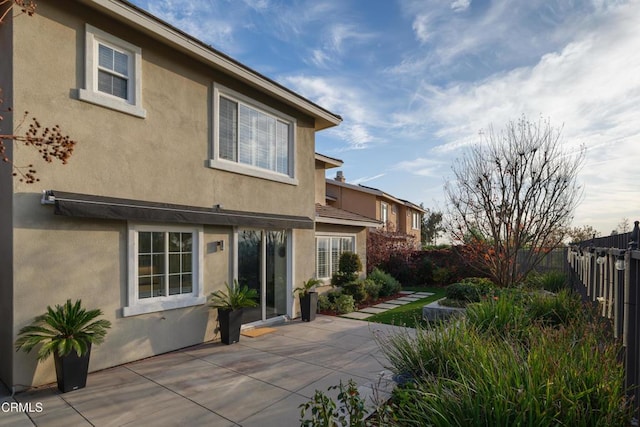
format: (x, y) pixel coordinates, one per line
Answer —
(344, 304)
(398, 266)
(324, 304)
(338, 279)
(421, 270)
(356, 290)
(441, 276)
(350, 263)
(372, 289)
(333, 295)
(388, 284)
(348, 267)
(470, 289)
(462, 292)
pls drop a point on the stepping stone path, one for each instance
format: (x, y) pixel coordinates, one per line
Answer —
(405, 298)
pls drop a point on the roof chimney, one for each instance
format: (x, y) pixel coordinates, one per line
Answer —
(339, 176)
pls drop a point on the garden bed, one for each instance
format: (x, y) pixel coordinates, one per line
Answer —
(364, 304)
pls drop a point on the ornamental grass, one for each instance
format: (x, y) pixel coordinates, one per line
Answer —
(536, 361)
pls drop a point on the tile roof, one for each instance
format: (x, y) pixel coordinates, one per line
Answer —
(329, 212)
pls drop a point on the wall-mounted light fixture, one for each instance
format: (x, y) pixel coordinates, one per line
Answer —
(620, 265)
(601, 258)
(215, 246)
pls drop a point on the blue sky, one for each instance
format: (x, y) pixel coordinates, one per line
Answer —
(416, 81)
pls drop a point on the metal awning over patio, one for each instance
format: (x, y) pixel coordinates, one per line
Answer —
(94, 206)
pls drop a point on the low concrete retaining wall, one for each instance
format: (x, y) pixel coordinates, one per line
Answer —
(435, 311)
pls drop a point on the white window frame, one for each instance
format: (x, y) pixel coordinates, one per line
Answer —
(236, 167)
(90, 93)
(330, 236)
(415, 220)
(136, 305)
(384, 213)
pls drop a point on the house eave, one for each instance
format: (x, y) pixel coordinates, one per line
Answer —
(181, 41)
(353, 223)
(329, 162)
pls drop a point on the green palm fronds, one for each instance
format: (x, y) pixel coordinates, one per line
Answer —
(63, 329)
(234, 298)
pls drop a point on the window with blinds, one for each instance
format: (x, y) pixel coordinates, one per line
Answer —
(250, 135)
(328, 251)
(113, 71)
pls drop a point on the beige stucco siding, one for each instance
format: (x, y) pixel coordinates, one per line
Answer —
(354, 201)
(60, 258)
(161, 158)
(6, 215)
(320, 187)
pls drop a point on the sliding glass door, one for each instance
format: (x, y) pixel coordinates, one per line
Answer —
(263, 265)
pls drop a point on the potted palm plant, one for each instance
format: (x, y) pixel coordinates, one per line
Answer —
(308, 299)
(230, 304)
(66, 331)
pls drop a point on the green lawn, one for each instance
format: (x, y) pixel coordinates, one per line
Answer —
(408, 314)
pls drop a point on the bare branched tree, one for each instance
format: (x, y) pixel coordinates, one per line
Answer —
(512, 197)
(50, 142)
(581, 234)
(624, 226)
(25, 6)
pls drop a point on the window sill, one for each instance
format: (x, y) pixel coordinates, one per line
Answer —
(111, 103)
(251, 171)
(168, 303)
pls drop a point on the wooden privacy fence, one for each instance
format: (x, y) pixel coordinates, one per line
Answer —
(607, 271)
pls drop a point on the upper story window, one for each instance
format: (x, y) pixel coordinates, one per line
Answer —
(112, 73)
(251, 138)
(415, 220)
(384, 213)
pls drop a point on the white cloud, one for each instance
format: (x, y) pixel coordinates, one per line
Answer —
(200, 21)
(421, 28)
(259, 5)
(431, 167)
(460, 5)
(320, 58)
(591, 85)
(364, 179)
(345, 99)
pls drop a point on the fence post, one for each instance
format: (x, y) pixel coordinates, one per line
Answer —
(632, 377)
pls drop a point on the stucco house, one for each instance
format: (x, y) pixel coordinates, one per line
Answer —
(337, 230)
(191, 170)
(397, 215)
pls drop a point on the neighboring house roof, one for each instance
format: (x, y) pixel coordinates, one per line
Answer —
(376, 192)
(414, 206)
(330, 215)
(171, 36)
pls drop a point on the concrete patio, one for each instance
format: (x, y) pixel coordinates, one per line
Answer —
(257, 382)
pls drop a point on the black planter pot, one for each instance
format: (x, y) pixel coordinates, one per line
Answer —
(71, 370)
(308, 306)
(230, 323)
